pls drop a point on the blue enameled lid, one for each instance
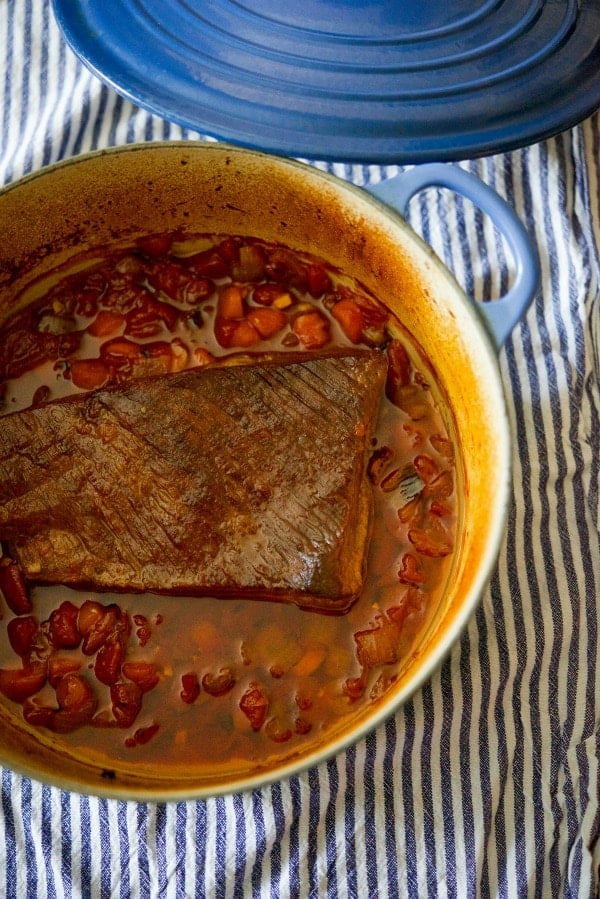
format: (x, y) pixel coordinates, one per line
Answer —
(387, 81)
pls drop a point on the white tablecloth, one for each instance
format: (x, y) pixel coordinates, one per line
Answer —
(486, 783)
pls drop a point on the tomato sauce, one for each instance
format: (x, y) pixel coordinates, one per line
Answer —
(211, 686)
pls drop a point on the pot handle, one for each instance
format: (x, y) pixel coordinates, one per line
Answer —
(502, 314)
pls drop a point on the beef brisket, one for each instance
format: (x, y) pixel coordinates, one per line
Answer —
(241, 481)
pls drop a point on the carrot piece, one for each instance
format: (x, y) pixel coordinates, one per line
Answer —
(312, 328)
(13, 587)
(267, 321)
(244, 335)
(254, 704)
(349, 317)
(202, 356)
(88, 374)
(231, 302)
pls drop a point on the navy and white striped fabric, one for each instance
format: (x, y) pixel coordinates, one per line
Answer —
(487, 782)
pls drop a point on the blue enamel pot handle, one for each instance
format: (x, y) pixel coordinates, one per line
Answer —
(503, 313)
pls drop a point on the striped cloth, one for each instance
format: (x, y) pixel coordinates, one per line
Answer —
(487, 782)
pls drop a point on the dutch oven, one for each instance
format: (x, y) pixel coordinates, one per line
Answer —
(121, 194)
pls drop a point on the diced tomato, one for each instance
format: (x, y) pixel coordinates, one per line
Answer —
(157, 358)
(219, 684)
(350, 319)
(106, 323)
(354, 687)
(22, 633)
(318, 279)
(399, 373)
(394, 478)
(180, 284)
(254, 704)
(413, 605)
(21, 350)
(425, 468)
(125, 358)
(267, 321)
(97, 622)
(229, 249)
(312, 328)
(120, 353)
(378, 463)
(63, 631)
(410, 572)
(142, 673)
(443, 446)
(59, 666)
(131, 264)
(302, 726)
(73, 691)
(109, 660)
(13, 587)
(303, 701)
(286, 268)
(126, 699)
(195, 290)
(146, 319)
(77, 704)
(411, 510)
(156, 244)
(431, 540)
(277, 732)
(440, 509)
(224, 332)
(140, 327)
(41, 395)
(18, 684)
(375, 319)
(143, 633)
(37, 715)
(123, 295)
(88, 374)
(91, 614)
(88, 293)
(190, 687)
(441, 487)
(378, 645)
(209, 264)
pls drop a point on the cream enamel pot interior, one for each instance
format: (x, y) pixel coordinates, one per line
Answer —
(96, 200)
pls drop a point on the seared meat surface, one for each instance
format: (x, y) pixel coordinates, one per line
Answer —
(244, 481)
